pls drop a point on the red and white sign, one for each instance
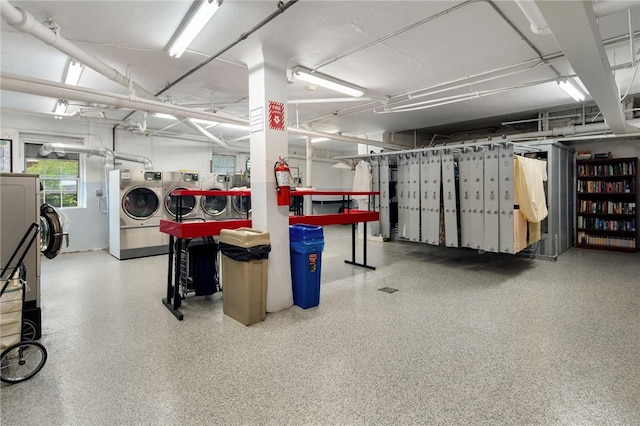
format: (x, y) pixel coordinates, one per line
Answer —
(276, 115)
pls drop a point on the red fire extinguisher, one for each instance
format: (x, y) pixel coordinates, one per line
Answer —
(283, 182)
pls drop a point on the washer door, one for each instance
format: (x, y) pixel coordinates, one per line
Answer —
(51, 232)
(140, 203)
(213, 205)
(188, 204)
(241, 204)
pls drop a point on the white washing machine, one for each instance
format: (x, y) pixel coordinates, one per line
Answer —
(135, 201)
(180, 180)
(213, 207)
(190, 208)
(239, 206)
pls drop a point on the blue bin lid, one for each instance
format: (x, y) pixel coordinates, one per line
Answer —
(305, 233)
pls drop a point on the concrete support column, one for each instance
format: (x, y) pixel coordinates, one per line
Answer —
(267, 105)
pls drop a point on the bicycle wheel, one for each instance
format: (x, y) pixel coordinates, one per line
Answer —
(22, 361)
(29, 330)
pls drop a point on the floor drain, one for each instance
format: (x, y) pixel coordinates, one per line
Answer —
(388, 289)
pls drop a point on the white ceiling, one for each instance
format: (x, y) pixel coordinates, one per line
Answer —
(342, 38)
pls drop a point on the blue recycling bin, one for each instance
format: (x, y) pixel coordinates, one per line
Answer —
(306, 243)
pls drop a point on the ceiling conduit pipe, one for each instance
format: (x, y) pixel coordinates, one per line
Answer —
(16, 83)
(25, 22)
(61, 148)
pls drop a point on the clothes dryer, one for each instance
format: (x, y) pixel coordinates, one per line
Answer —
(240, 206)
(190, 209)
(213, 207)
(180, 180)
(135, 199)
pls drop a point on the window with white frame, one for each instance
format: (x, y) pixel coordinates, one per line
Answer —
(59, 175)
(223, 164)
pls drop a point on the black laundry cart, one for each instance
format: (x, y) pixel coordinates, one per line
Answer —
(21, 358)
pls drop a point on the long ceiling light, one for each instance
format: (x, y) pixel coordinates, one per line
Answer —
(571, 90)
(73, 72)
(327, 82)
(206, 10)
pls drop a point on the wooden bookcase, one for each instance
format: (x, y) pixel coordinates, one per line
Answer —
(606, 204)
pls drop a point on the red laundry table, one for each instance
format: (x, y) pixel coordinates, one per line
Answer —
(188, 230)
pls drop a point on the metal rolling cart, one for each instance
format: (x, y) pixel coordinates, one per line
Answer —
(21, 358)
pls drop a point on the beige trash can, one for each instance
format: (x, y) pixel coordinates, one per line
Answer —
(245, 252)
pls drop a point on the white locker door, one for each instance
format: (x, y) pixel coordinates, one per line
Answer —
(432, 199)
(414, 197)
(472, 199)
(385, 217)
(491, 203)
(449, 196)
(402, 191)
(424, 195)
(506, 198)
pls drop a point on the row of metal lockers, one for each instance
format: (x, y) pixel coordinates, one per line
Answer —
(457, 199)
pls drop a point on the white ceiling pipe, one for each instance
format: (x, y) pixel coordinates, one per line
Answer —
(600, 9)
(608, 7)
(536, 20)
(146, 162)
(62, 148)
(57, 90)
(207, 134)
(25, 22)
(16, 83)
(336, 137)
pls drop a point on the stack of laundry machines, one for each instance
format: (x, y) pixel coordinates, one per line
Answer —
(139, 199)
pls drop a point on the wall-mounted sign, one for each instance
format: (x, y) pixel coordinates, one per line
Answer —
(256, 123)
(276, 115)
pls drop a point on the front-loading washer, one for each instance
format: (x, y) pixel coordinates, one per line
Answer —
(213, 207)
(135, 199)
(239, 206)
(190, 209)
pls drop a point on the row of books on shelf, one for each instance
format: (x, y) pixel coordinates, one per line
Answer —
(606, 207)
(623, 168)
(604, 187)
(597, 240)
(606, 225)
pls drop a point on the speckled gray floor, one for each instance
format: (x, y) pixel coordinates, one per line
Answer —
(467, 339)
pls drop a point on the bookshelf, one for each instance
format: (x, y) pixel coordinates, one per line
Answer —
(606, 204)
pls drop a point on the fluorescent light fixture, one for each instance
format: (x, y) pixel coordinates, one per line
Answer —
(316, 140)
(163, 115)
(327, 82)
(571, 90)
(61, 107)
(206, 9)
(72, 73)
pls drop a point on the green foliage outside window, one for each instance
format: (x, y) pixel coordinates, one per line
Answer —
(59, 178)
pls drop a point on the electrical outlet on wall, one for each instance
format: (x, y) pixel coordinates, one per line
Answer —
(99, 193)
